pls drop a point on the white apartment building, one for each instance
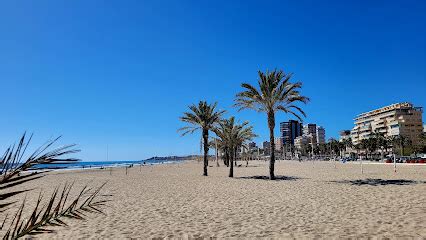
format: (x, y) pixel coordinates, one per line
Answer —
(315, 133)
(303, 141)
(396, 119)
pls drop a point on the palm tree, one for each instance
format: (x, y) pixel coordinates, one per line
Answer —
(274, 93)
(382, 142)
(243, 133)
(421, 147)
(364, 145)
(334, 145)
(372, 145)
(232, 136)
(402, 142)
(347, 144)
(323, 148)
(357, 147)
(202, 117)
(342, 148)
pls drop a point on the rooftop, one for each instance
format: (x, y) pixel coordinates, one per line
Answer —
(391, 107)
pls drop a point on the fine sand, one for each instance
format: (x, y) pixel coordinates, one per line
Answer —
(315, 200)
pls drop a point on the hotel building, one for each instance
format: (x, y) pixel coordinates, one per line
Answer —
(266, 147)
(397, 119)
(278, 144)
(320, 135)
(311, 130)
(315, 133)
(289, 131)
(302, 141)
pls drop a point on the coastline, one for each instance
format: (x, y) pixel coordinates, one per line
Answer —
(109, 164)
(315, 200)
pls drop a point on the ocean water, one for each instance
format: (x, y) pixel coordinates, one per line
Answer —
(102, 164)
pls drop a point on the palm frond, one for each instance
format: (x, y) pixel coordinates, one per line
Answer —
(188, 130)
(53, 213)
(12, 170)
(232, 135)
(204, 117)
(276, 92)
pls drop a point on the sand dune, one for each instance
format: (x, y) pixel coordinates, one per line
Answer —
(316, 200)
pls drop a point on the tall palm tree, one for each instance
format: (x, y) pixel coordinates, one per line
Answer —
(232, 136)
(421, 147)
(275, 93)
(243, 134)
(214, 145)
(347, 143)
(357, 147)
(202, 117)
(401, 142)
(334, 146)
(364, 146)
(382, 142)
(370, 145)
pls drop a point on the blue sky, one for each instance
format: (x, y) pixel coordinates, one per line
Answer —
(120, 73)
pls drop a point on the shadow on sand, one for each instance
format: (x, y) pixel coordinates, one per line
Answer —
(277, 178)
(249, 166)
(378, 182)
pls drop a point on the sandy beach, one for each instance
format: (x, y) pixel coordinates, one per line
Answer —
(315, 200)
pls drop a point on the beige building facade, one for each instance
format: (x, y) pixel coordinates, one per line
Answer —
(278, 144)
(303, 141)
(397, 119)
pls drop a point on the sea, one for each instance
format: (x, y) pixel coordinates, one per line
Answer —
(102, 164)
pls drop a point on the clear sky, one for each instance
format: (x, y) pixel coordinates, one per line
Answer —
(120, 73)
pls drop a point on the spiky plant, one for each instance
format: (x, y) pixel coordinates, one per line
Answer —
(14, 171)
(275, 93)
(202, 117)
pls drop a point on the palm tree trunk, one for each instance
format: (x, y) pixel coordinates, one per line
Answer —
(271, 125)
(206, 150)
(217, 155)
(227, 160)
(231, 169)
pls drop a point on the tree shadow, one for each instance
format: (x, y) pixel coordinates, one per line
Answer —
(277, 178)
(249, 166)
(379, 182)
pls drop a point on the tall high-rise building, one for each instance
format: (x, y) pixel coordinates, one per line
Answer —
(397, 119)
(302, 141)
(266, 147)
(278, 144)
(252, 145)
(320, 135)
(311, 129)
(289, 131)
